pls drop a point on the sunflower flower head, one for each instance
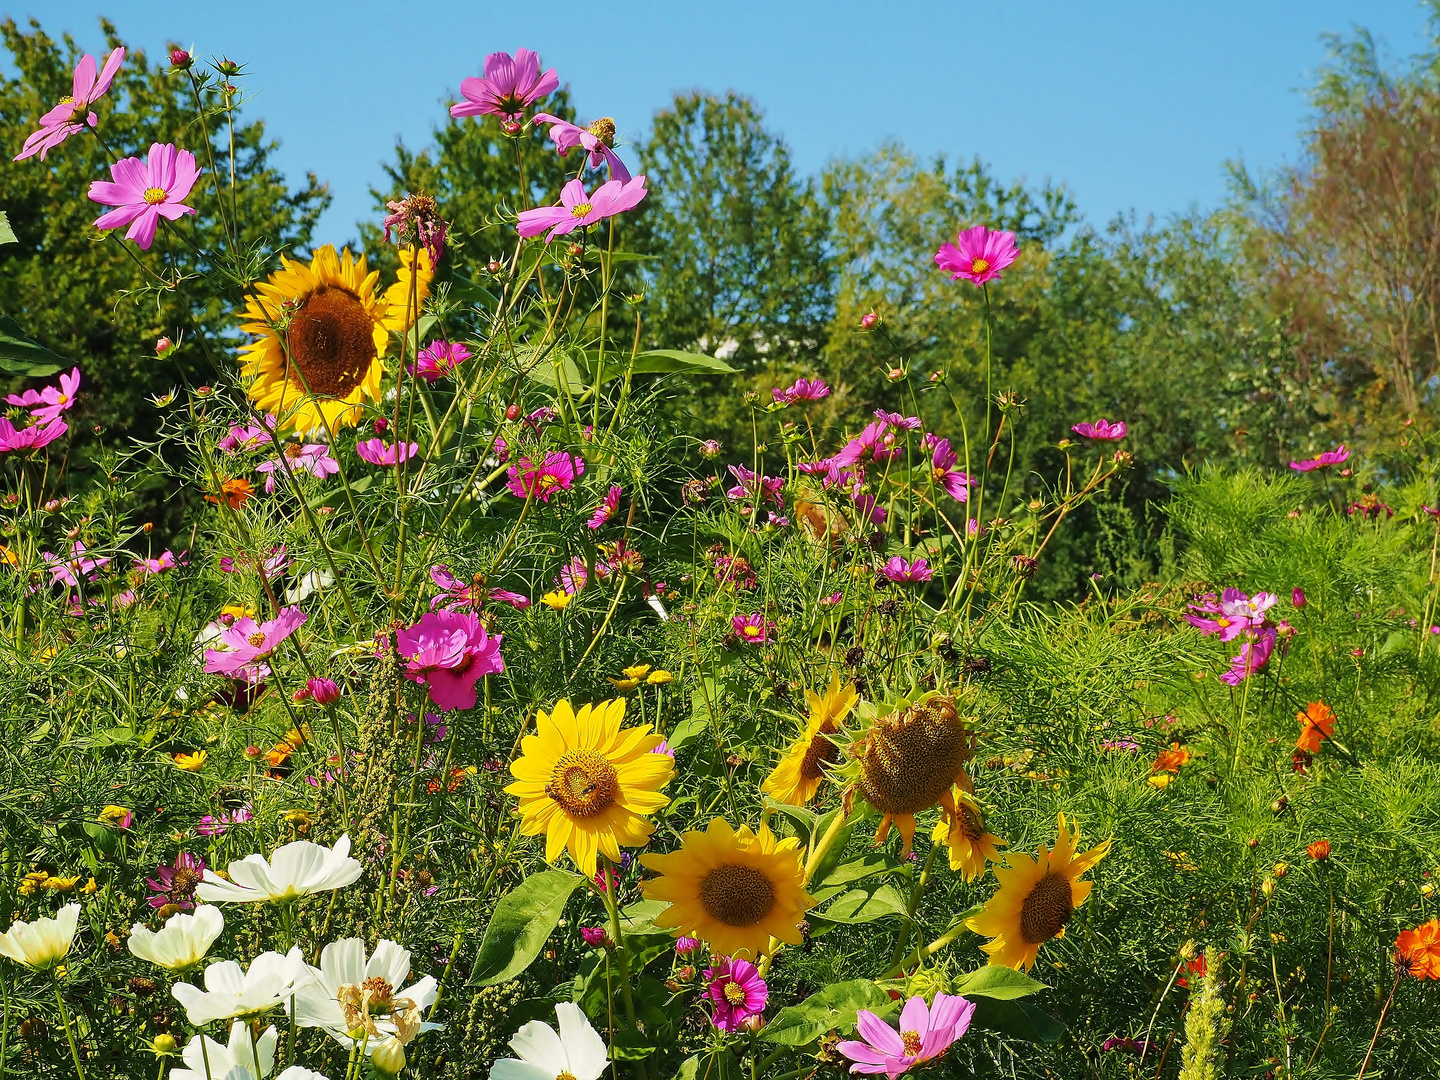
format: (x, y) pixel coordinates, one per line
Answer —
(971, 847)
(796, 779)
(733, 889)
(586, 784)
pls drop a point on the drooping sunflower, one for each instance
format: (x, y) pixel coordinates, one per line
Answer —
(1035, 900)
(908, 760)
(971, 847)
(735, 890)
(323, 331)
(797, 777)
(586, 784)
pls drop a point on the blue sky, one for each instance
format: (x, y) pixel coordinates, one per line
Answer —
(1131, 105)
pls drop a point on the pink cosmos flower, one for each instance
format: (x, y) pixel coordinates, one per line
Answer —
(555, 474)
(49, 402)
(1254, 655)
(73, 113)
(577, 209)
(165, 561)
(1234, 614)
(869, 509)
(145, 191)
(737, 992)
(753, 629)
(876, 440)
(895, 419)
(753, 486)
(244, 643)
(438, 359)
(449, 651)
(801, 390)
(175, 884)
(379, 452)
(942, 468)
(219, 824)
(271, 567)
(312, 458)
(247, 436)
(459, 595)
(1319, 461)
(509, 85)
(1102, 429)
(69, 571)
(980, 255)
(1127, 746)
(607, 509)
(30, 438)
(594, 936)
(323, 691)
(925, 1033)
(597, 139)
(663, 748)
(833, 599)
(902, 572)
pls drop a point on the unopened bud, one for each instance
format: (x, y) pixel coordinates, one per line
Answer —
(163, 346)
(180, 59)
(513, 412)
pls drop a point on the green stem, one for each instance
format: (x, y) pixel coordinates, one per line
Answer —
(69, 1034)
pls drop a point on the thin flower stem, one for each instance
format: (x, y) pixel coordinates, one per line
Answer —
(69, 1033)
(1379, 1023)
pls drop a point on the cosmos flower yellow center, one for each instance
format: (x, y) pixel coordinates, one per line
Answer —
(583, 783)
(61, 399)
(750, 631)
(67, 100)
(581, 210)
(979, 266)
(563, 1075)
(331, 341)
(734, 993)
(911, 1042)
(737, 895)
(256, 639)
(154, 196)
(184, 881)
(548, 480)
(604, 130)
(1047, 909)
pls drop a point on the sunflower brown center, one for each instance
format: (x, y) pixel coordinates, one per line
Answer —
(911, 758)
(911, 1042)
(1047, 909)
(735, 993)
(332, 341)
(184, 882)
(818, 754)
(584, 783)
(737, 895)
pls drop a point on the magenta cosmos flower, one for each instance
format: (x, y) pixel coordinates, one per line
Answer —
(438, 359)
(165, 561)
(247, 436)
(459, 595)
(598, 141)
(943, 469)
(802, 390)
(449, 651)
(30, 438)
(925, 1033)
(1254, 655)
(876, 440)
(978, 255)
(544, 479)
(737, 992)
(311, 458)
(1233, 615)
(1319, 461)
(244, 643)
(753, 629)
(174, 885)
(47, 403)
(904, 573)
(145, 191)
(509, 85)
(73, 113)
(753, 486)
(68, 571)
(379, 452)
(607, 509)
(577, 209)
(1102, 429)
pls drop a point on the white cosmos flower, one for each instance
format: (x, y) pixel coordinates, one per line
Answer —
(231, 991)
(182, 942)
(43, 943)
(576, 1051)
(292, 871)
(314, 581)
(347, 993)
(299, 1072)
(206, 1059)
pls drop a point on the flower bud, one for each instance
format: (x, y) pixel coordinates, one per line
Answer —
(252, 751)
(495, 266)
(204, 391)
(228, 67)
(710, 449)
(1268, 886)
(868, 320)
(324, 691)
(180, 60)
(381, 425)
(513, 411)
(389, 1056)
(511, 127)
(163, 346)
(1297, 597)
(163, 1044)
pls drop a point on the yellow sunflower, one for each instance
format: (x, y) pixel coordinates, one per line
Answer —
(586, 784)
(1035, 900)
(971, 847)
(735, 890)
(797, 777)
(323, 331)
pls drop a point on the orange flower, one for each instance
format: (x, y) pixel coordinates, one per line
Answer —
(1319, 850)
(1172, 760)
(1197, 967)
(1420, 948)
(1318, 722)
(234, 492)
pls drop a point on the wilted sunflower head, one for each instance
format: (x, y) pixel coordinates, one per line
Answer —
(906, 759)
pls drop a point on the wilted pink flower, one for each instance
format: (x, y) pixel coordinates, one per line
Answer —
(607, 509)
(438, 359)
(73, 113)
(555, 474)
(598, 140)
(802, 390)
(594, 936)
(323, 691)
(1101, 429)
(736, 991)
(577, 209)
(145, 191)
(219, 824)
(902, 572)
(175, 884)
(1329, 457)
(943, 469)
(449, 651)
(417, 218)
(509, 85)
(925, 1033)
(753, 629)
(244, 643)
(69, 571)
(311, 458)
(459, 595)
(247, 436)
(710, 449)
(980, 255)
(379, 452)
(30, 438)
(47, 403)
(753, 486)
(1254, 655)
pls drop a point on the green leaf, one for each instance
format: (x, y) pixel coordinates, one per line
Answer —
(521, 924)
(638, 919)
(7, 234)
(864, 905)
(1019, 1019)
(995, 981)
(867, 865)
(829, 1009)
(633, 1045)
(674, 361)
(21, 356)
(687, 731)
(720, 1065)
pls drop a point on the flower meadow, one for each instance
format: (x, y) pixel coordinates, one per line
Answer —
(477, 723)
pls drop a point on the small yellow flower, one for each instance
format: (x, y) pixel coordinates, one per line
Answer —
(62, 884)
(115, 815)
(33, 881)
(90, 887)
(1160, 780)
(636, 671)
(557, 600)
(191, 762)
(659, 678)
(625, 684)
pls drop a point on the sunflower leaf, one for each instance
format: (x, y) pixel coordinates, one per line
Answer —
(832, 1008)
(995, 981)
(7, 234)
(21, 356)
(1019, 1019)
(864, 905)
(522, 923)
